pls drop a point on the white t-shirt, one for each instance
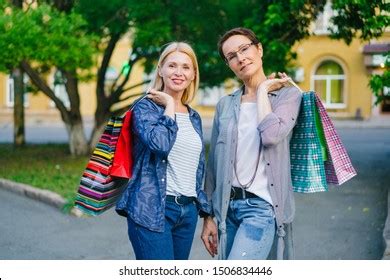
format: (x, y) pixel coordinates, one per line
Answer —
(183, 159)
(248, 147)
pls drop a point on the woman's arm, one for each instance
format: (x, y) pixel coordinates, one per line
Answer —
(277, 124)
(157, 131)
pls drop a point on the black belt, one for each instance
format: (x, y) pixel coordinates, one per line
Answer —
(180, 200)
(239, 193)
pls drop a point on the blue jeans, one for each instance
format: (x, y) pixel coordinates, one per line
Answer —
(174, 243)
(250, 228)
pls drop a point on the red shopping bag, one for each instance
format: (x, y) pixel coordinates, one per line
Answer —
(122, 164)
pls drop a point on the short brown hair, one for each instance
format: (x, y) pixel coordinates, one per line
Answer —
(236, 31)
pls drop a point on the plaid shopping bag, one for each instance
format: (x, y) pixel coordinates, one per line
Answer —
(338, 167)
(307, 162)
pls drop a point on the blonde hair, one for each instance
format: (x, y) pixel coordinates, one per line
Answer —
(157, 81)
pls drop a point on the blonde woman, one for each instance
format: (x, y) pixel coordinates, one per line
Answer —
(163, 198)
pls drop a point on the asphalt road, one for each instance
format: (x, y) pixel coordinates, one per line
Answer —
(344, 223)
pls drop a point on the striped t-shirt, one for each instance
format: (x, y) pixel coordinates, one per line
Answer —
(183, 159)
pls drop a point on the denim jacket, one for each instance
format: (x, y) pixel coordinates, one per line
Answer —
(153, 135)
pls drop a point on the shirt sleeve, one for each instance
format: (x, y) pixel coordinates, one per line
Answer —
(277, 125)
(155, 130)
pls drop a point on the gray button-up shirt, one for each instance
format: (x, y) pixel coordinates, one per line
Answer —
(275, 133)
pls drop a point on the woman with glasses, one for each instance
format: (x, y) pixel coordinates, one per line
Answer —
(248, 173)
(164, 196)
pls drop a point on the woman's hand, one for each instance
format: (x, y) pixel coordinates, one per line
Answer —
(163, 99)
(160, 97)
(210, 236)
(273, 83)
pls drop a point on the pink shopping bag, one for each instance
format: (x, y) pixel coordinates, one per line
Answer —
(338, 167)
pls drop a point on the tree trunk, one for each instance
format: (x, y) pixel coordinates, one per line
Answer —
(19, 135)
(78, 144)
(96, 133)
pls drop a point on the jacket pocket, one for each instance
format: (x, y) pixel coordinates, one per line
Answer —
(223, 129)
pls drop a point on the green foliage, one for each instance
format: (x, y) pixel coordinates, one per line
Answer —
(360, 19)
(105, 18)
(379, 82)
(279, 25)
(46, 37)
(156, 23)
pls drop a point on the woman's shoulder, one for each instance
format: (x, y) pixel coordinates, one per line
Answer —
(146, 104)
(290, 92)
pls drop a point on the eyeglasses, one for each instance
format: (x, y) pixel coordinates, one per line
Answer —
(243, 51)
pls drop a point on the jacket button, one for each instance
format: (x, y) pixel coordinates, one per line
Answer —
(267, 163)
(162, 179)
(272, 185)
(163, 160)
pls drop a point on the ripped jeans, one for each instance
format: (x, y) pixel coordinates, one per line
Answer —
(250, 228)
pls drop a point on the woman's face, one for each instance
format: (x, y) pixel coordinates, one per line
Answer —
(243, 57)
(177, 72)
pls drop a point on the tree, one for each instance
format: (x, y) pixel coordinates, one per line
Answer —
(68, 34)
(62, 43)
(149, 29)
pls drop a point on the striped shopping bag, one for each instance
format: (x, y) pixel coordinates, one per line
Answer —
(98, 189)
(338, 167)
(109, 167)
(306, 155)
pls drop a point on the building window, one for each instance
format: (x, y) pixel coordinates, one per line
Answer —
(329, 83)
(58, 86)
(10, 92)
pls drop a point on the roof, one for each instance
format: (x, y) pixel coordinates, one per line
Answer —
(376, 48)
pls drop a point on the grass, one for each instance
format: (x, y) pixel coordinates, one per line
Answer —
(48, 167)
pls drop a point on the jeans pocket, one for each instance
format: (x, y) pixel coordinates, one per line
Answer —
(258, 203)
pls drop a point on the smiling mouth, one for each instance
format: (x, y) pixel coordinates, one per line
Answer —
(176, 81)
(244, 67)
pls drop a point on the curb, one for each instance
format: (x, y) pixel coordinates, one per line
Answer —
(386, 231)
(45, 196)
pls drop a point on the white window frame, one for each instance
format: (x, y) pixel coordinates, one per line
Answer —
(10, 92)
(328, 78)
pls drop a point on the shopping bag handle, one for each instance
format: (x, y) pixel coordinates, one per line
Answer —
(138, 100)
(295, 85)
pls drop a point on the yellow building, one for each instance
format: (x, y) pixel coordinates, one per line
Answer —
(340, 73)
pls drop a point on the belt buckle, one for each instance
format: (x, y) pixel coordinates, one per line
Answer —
(232, 193)
(177, 201)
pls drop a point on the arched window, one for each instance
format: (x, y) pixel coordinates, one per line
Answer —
(329, 83)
